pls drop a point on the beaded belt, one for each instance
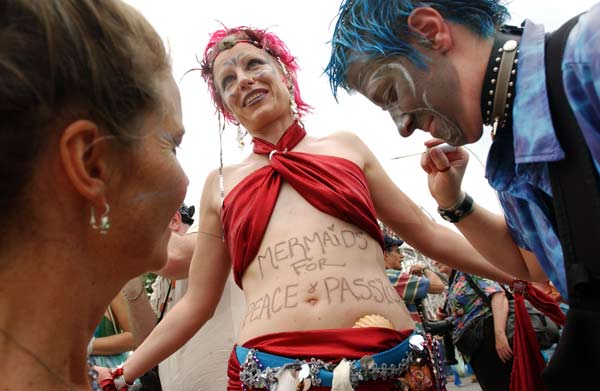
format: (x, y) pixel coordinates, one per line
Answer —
(259, 369)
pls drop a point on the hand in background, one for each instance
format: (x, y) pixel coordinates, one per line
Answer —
(103, 373)
(417, 269)
(503, 348)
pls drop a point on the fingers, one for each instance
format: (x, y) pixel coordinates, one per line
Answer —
(103, 373)
(425, 163)
(434, 160)
(504, 352)
(439, 159)
(501, 354)
(509, 351)
(440, 156)
(433, 142)
(416, 269)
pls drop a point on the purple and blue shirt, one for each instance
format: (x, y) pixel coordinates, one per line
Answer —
(517, 165)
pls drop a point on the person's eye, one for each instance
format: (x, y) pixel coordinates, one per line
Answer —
(384, 96)
(390, 96)
(254, 63)
(226, 82)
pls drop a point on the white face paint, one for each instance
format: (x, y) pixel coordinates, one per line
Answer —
(403, 91)
(403, 72)
(252, 87)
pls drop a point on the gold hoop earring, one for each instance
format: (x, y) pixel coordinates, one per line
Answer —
(104, 225)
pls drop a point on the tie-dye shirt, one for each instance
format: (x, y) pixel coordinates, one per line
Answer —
(517, 163)
(465, 304)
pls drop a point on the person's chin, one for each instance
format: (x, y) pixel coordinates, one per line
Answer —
(158, 260)
(449, 132)
(159, 257)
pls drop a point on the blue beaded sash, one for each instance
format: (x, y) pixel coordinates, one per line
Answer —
(259, 369)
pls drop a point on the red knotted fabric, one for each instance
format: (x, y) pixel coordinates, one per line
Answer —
(528, 361)
(545, 304)
(329, 345)
(331, 184)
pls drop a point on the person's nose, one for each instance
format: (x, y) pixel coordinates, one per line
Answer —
(246, 80)
(404, 121)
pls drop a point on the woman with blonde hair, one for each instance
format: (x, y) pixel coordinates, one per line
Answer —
(91, 119)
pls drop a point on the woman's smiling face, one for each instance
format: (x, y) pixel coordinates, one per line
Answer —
(251, 85)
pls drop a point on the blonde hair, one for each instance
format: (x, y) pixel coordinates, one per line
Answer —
(67, 59)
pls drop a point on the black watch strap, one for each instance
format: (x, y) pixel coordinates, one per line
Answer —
(457, 213)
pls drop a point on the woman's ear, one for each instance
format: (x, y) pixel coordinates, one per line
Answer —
(84, 157)
(431, 26)
(175, 223)
(386, 258)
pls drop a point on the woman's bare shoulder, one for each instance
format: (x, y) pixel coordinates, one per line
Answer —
(342, 136)
(242, 168)
(344, 144)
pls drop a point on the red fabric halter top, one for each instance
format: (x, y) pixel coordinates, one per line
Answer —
(331, 184)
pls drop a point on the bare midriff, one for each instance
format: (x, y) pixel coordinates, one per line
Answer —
(314, 271)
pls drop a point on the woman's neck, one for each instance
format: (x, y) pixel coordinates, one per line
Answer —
(46, 319)
(27, 369)
(273, 131)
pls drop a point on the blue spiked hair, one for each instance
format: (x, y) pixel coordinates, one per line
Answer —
(378, 28)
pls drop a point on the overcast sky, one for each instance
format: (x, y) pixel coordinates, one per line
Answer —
(306, 26)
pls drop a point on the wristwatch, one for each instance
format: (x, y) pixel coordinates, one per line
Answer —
(457, 213)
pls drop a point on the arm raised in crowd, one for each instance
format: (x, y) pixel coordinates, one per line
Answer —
(436, 285)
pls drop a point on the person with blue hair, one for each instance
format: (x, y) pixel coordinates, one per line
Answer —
(451, 67)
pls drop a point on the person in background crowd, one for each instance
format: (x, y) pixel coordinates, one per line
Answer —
(113, 338)
(413, 286)
(86, 97)
(479, 329)
(201, 363)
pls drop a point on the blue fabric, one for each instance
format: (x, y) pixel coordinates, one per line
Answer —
(517, 165)
(106, 329)
(391, 356)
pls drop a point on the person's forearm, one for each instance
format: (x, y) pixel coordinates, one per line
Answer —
(113, 344)
(176, 328)
(143, 318)
(455, 251)
(436, 285)
(489, 234)
(500, 312)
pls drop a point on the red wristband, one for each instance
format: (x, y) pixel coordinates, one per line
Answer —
(119, 382)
